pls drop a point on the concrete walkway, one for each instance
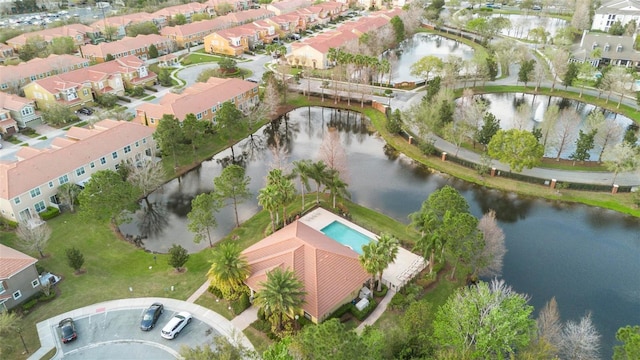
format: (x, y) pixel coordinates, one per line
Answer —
(246, 318)
(377, 312)
(201, 290)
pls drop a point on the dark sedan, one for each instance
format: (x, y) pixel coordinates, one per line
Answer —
(67, 330)
(85, 111)
(150, 316)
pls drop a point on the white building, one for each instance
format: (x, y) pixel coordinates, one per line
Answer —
(30, 184)
(616, 10)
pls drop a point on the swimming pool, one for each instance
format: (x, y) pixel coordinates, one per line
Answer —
(346, 236)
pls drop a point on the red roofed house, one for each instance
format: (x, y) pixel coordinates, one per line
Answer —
(18, 278)
(194, 32)
(287, 6)
(14, 77)
(138, 46)
(73, 94)
(233, 42)
(7, 53)
(30, 184)
(188, 10)
(80, 33)
(312, 52)
(201, 99)
(121, 23)
(287, 24)
(16, 111)
(331, 272)
(223, 7)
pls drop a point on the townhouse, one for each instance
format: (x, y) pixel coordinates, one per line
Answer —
(243, 17)
(57, 90)
(201, 99)
(223, 7)
(14, 77)
(80, 33)
(30, 184)
(7, 53)
(615, 10)
(284, 7)
(614, 50)
(119, 24)
(232, 42)
(194, 33)
(287, 24)
(138, 46)
(165, 16)
(19, 278)
(17, 112)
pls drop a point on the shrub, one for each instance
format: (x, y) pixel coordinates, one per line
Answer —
(29, 304)
(262, 325)
(27, 131)
(215, 291)
(124, 98)
(361, 315)
(49, 213)
(341, 311)
(8, 223)
(381, 293)
(241, 304)
(397, 302)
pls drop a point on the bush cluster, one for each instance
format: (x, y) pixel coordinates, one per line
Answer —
(49, 213)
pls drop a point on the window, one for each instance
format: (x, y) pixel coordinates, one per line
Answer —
(16, 201)
(85, 92)
(199, 116)
(50, 184)
(137, 143)
(26, 111)
(40, 206)
(127, 149)
(4, 86)
(35, 192)
(63, 179)
(2, 289)
(17, 295)
(144, 141)
(114, 154)
(619, 48)
(103, 161)
(35, 283)
(80, 171)
(92, 165)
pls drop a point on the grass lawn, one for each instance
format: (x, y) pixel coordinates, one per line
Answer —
(149, 98)
(259, 340)
(208, 300)
(199, 58)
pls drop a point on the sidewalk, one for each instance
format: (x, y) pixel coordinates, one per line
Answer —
(377, 312)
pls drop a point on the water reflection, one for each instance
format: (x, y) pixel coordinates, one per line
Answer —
(521, 25)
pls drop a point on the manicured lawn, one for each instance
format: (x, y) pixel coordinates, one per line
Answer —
(148, 98)
(259, 340)
(220, 306)
(199, 58)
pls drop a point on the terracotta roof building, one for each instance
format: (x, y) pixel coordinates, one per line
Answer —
(331, 273)
(14, 77)
(30, 184)
(18, 277)
(17, 111)
(138, 46)
(284, 7)
(80, 33)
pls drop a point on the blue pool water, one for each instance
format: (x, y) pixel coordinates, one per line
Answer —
(346, 236)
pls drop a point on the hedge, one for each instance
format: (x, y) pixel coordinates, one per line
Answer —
(241, 304)
(49, 213)
(361, 315)
(124, 98)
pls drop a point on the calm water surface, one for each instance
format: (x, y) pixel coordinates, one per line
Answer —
(522, 24)
(588, 258)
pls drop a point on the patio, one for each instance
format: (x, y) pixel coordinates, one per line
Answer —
(397, 274)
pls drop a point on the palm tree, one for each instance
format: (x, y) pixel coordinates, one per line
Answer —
(336, 186)
(285, 190)
(301, 169)
(9, 323)
(318, 171)
(68, 194)
(385, 67)
(268, 199)
(368, 260)
(388, 247)
(430, 241)
(281, 294)
(228, 269)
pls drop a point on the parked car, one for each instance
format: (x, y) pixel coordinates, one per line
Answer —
(84, 111)
(151, 316)
(253, 80)
(536, 7)
(67, 330)
(175, 325)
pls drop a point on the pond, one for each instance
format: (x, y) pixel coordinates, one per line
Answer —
(586, 257)
(419, 46)
(522, 24)
(504, 107)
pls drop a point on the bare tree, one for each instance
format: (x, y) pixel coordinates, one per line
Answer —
(522, 117)
(620, 158)
(33, 235)
(581, 19)
(280, 154)
(565, 130)
(580, 340)
(494, 247)
(333, 154)
(549, 121)
(147, 176)
(456, 132)
(540, 73)
(549, 324)
(560, 63)
(608, 132)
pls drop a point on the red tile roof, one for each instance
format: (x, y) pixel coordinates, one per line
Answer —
(124, 45)
(290, 5)
(193, 7)
(246, 16)
(49, 34)
(37, 66)
(123, 20)
(218, 23)
(329, 271)
(13, 261)
(13, 102)
(41, 165)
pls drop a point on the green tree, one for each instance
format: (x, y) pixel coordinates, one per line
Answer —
(164, 77)
(194, 131)
(490, 126)
(229, 268)
(108, 197)
(228, 65)
(75, 259)
(62, 45)
(229, 122)
(620, 158)
(584, 143)
(68, 194)
(571, 75)
(631, 135)
(302, 169)
(202, 218)
(398, 28)
(178, 256)
(629, 336)
(278, 350)
(319, 172)
(232, 185)
(616, 29)
(337, 187)
(518, 148)
(35, 46)
(57, 115)
(425, 66)
(433, 87)
(109, 57)
(169, 136)
(284, 189)
(388, 247)
(142, 28)
(281, 294)
(10, 323)
(153, 51)
(328, 340)
(463, 241)
(109, 32)
(268, 199)
(179, 19)
(222, 349)
(107, 100)
(526, 70)
(487, 321)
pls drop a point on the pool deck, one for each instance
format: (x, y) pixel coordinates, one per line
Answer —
(397, 274)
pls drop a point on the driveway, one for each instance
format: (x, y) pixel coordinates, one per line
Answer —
(111, 330)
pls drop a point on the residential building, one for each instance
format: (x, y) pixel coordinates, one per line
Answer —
(189, 9)
(194, 33)
(19, 279)
(17, 112)
(138, 46)
(14, 77)
(57, 90)
(169, 60)
(330, 272)
(223, 7)
(80, 33)
(7, 53)
(615, 10)
(284, 7)
(201, 99)
(119, 24)
(247, 16)
(287, 24)
(233, 42)
(614, 50)
(30, 184)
